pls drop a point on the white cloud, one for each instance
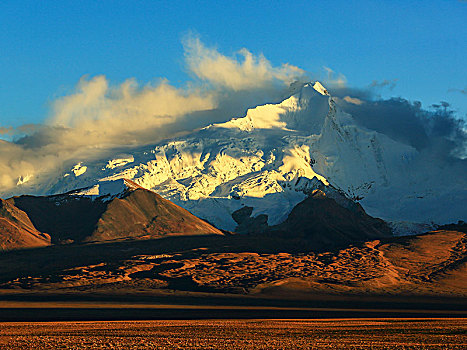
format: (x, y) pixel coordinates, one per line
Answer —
(334, 80)
(353, 100)
(113, 113)
(250, 72)
(98, 117)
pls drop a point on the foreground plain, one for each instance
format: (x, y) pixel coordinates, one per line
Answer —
(239, 334)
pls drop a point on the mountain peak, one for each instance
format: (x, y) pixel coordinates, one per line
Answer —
(321, 89)
(303, 111)
(298, 87)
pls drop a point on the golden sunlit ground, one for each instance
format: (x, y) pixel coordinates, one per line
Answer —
(239, 334)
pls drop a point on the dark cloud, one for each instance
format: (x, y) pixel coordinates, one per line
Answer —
(390, 84)
(437, 130)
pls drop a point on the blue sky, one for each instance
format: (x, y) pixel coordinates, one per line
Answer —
(47, 46)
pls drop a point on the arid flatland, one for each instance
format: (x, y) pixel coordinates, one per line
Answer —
(239, 334)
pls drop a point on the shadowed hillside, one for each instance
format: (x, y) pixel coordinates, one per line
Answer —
(17, 230)
(142, 213)
(65, 218)
(135, 213)
(323, 221)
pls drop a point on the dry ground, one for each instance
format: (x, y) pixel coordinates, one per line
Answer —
(431, 264)
(239, 334)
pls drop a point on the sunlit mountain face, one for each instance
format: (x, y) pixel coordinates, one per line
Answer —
(274, 157)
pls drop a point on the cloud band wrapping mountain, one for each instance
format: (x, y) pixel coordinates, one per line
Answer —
(98, 118)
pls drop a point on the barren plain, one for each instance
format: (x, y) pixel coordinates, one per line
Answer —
(239, 334)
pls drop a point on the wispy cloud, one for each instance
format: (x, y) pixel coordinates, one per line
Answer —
(462, 91)
(333, 79)
(390, 84)
(353, 100)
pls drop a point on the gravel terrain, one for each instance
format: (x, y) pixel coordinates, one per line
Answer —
(239, 334)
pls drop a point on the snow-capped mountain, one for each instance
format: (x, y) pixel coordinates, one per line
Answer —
(273, 157)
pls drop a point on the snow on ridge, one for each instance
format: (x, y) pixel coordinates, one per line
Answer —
(108, 189)
(118, 162)
(79, 169)
(320, 88)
